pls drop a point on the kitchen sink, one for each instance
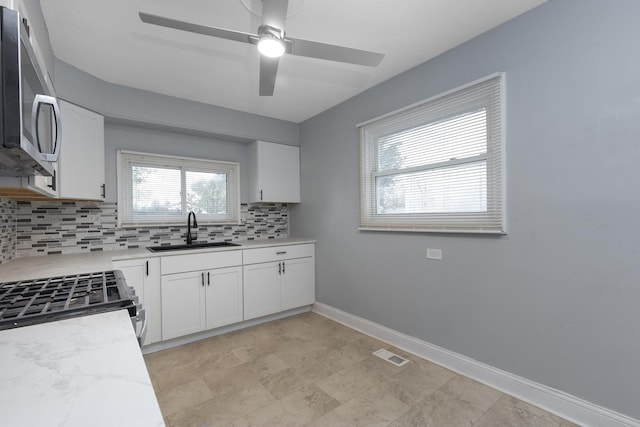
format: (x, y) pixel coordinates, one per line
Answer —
(167, 248)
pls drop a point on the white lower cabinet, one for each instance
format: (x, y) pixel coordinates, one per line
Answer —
(183, 304)
(298, 283)
(277, 279)
(194, 301)
(224, 297)
(188, 293)
(144, 276)
(261, 290)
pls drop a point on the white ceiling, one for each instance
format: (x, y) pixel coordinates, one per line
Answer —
(107, 39)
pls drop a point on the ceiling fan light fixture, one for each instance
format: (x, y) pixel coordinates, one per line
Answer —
(271, 46)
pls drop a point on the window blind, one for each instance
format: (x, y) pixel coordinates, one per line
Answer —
(155, 189)
(437, 165)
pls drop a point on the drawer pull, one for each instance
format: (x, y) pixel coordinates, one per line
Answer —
(281, 253)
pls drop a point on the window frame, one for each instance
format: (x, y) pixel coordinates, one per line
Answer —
(437, 109)
(126, 159)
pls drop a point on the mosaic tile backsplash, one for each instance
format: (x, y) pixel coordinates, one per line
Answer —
(7, 229)
(43, 228)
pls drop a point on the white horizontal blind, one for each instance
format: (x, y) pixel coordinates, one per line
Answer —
(437, 165)
(155, 189)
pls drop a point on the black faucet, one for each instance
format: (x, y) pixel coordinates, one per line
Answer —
(195, 225)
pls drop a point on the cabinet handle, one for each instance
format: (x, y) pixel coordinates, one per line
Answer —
(208, 278)
(53, 182)
(147, 268)
(104, 190)
(202, 276)
(260, 195)
(279, 268)
(282, 267)
(281, 253)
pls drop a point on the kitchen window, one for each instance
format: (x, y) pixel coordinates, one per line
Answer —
(438, 165)
(156, 189)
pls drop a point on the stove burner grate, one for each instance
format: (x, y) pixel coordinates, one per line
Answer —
(34, 301)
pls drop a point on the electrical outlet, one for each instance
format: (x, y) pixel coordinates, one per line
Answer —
(434, 253)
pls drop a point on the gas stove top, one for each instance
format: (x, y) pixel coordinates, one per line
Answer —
(28, 302)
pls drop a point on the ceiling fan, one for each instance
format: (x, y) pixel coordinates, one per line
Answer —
(272, 42)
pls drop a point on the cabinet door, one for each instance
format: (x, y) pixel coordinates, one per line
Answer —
(183, 304)
(277, 173)
(134, 272)
(81, 162)
(144, 276)
(261, 290)
(298, 283)
(224, 296)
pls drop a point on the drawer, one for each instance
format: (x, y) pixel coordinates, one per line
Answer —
(276, 253)
(201, 261)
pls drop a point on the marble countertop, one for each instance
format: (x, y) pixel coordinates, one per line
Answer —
(59, 265)
(85, 371)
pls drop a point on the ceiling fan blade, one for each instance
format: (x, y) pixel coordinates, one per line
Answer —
(268, 71)
(198, 29)
(274, 13)
(333, 53)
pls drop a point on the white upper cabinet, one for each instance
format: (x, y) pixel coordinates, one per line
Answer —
(274, 171)
(81, 168)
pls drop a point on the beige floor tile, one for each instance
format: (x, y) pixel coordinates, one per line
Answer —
(213, 347)
(417, 381)
(267, 365)
(350, 382)
(439, 409)
(295, 352)
(345, 356)
(167, 359)
(371, 409)
(201, 367)
(183, 396)
(292, 379)
(296, 410)
(323, 374)
(509, 411)
(260, 347)
(270, 330)
(224, 409)
(472, 392)
(231, 380)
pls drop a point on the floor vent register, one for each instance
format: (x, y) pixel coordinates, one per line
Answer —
(391, 357)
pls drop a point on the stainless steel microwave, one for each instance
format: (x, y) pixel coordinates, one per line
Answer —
(30, 125)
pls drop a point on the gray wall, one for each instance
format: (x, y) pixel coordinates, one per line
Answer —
(163, 142)
(133, 105)
(150, 122)
(557, 299)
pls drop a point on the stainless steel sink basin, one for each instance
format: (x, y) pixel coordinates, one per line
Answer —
(167, 248)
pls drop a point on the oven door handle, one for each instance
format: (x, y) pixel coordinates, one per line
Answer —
(141, 316)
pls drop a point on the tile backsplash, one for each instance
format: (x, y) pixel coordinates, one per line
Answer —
(7, 229)
(42, 228)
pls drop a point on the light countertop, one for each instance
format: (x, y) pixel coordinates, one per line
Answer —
(85, 371)
(59, 265)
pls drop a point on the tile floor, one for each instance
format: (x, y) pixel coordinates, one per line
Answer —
(307, 370)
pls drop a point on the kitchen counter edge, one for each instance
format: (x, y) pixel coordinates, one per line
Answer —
(62, 264)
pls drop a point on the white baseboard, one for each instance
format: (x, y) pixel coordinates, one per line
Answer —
(557, 402)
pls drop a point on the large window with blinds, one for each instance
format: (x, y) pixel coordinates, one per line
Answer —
(438, 165)
(155, 189)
